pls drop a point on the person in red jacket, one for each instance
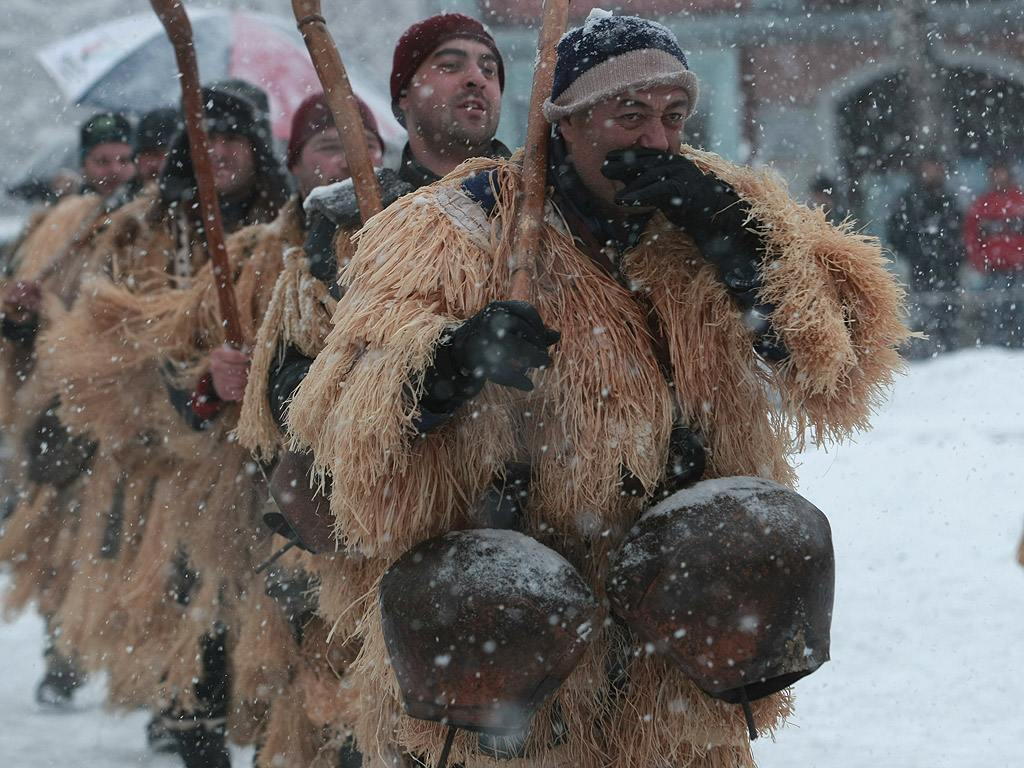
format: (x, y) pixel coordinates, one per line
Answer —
(994, 242)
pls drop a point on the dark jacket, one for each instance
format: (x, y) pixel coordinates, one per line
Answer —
(924, 229)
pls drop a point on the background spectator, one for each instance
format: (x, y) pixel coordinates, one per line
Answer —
(994, 241)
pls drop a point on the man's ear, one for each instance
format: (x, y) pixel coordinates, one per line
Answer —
(398, 110)
(566, 127)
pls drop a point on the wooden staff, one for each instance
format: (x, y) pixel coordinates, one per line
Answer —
(342, 102)
(179, 30)
(535, 153)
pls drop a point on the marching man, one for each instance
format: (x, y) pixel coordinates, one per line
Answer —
(687, 320)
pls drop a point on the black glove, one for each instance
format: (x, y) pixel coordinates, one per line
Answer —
(703, 206)
(499, 343)
(687, 460)
(319, 248)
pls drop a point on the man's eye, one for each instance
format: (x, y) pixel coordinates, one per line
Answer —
(489, 71)
(630, 117)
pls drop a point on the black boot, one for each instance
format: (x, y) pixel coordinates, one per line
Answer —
(58, 684)
(159, 735)
(349, 755)
(203, 746)
(200, 733)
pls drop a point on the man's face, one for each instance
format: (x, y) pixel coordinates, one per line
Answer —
(454, 98)
(322, 159)
(234, 165)
(108, 166)
(652, 118)
(150, 162)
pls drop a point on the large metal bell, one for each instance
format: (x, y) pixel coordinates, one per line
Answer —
(482, 626)
(732, 579)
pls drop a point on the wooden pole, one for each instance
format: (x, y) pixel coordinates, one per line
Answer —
(342, 102)
(535, 157)
(179, 30)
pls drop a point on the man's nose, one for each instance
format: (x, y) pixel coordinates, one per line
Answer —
(474, 77)
(654, 136)
(219, 148)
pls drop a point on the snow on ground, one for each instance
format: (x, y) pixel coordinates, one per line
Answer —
(82, 736)
(928, 631)
(928, 636)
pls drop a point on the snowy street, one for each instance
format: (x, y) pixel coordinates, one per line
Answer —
(928, 634)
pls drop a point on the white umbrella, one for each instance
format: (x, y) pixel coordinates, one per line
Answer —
(128, 65)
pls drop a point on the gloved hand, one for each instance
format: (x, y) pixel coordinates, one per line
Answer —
(319, 248)
(703, 206)
(499, 343)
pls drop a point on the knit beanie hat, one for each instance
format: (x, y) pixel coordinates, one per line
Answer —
(611, 54)
(420, 40)
(156, 128)
(103, 128)
(313, 116)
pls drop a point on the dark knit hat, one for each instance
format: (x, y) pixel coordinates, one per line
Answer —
(156, 128)
(611, 54)
(420, 40)
(313, 116)
(104, 128)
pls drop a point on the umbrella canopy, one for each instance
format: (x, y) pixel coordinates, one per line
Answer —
(128, 65)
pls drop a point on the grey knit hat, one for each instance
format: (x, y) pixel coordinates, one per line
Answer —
(611, 54)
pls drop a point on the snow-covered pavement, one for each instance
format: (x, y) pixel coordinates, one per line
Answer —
(927, 665)
(82, 736)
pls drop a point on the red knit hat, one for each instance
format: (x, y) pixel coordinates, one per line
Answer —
(313, 116)
(422, 38)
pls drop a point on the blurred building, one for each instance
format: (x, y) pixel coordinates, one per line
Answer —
(848, 88)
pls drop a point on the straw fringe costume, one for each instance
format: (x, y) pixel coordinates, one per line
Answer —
(41, 533)
(270, 678)
(434, 259)
(266, 656)
(299, 314)
(312, 715)
(189, 500)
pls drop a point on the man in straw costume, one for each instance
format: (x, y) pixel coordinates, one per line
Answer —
(44, 477)
(687, 319)
(178, 498)
(446, 61)
(447, 81)
(187, 325)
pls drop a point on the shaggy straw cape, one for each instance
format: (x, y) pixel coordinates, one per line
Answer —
(434, 259)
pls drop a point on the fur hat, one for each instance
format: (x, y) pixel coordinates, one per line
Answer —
(157, 128)
(419, 40)
(611, 54)
(226, 112)
(313, 116)
(104, 128)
